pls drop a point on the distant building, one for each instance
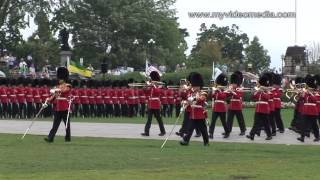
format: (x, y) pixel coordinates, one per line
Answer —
(295, 61)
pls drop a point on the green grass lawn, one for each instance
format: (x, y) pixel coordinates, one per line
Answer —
(248, 113)
(98, 158)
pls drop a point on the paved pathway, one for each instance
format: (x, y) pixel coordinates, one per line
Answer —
(132, 131)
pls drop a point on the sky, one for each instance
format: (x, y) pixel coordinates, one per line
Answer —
(274, 34)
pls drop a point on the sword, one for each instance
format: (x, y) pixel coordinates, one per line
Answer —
(69, 109)
(175, 124)
(44, 105)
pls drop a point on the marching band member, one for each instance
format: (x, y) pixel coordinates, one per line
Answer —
(235, 107)
(154, 105)
(60, 101)
(198, 112)
(296, 122)
(309, 110)
(272, 122)
(277, 93)
(219, 108)
(262, 109)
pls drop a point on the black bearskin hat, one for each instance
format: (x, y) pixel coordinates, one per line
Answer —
(20, 81)
(277, 79)
(264, 80)
(63, 74)
(271, 77)
(196, 79)
(36, 83)
(115, 83)
(299, 80)
(311, 81)
(75, 83)
(155, 76)
(222, 80)
(13, 82)
(236, 78)
(317, 78)
(83, 83)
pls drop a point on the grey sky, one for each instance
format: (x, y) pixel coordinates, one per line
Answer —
(274, 34)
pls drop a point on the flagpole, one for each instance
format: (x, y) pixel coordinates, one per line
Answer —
(213, 70)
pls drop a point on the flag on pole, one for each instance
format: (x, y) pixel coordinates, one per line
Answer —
(150, 68)
(76, 68)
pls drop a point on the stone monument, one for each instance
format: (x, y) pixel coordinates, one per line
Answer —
(65, 53)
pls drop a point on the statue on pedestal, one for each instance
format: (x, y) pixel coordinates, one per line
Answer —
(64, 37)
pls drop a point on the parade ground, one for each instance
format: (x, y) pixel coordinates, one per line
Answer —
(109, 150)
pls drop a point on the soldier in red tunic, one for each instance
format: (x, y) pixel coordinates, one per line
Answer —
(295, 124)
(21, 95)
(198, 112)
(4, 100)
(277, 93)
(60, 100)
(29, 98)
(219, 108)
(12, 92)
(262, 109)
(84, 99)
(36, 95)
(76, 102)
(235, 107)
(309, 110)
(154, 105)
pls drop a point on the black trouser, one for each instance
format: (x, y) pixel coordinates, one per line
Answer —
(92, 110)
(156, 113)
(214, 118)
(47, 112)
(22, 110)
(124, 110)
(109, 110)
(136, 110)
(100, 110)
(76, 108)
(30, 109)
(37, 108)
(272, 122)
(186, 124)
(310, 123)
(201, 126)
(58, 117)
(4, 110)
(14, 110)
(164, 110)
(130, 110)
(260, 120)
(142, 109)
(117, 110)
(85, 110)
(239, 115)
(178, 108)
(278, 119)
(170, 111)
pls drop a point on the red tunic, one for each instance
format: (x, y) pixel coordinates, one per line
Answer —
(75, 94)
(12, 92)
(142, 97)
(108, 96)
(219, 101)
(198, 111)
(29, 94)
(236, 101)
(262, 102)
(84, 98)
(122, 96)
(154, 99)
(99, 97)
(318, 101)
(271, 103)
(45, 93)
(115, 97)
(277, 93)
(61, 103)
(130, 96)
(92, 96)
(310, 105)
(170, 94)
(164, 97)
(4, 95)
(21, 94)
(37, 95)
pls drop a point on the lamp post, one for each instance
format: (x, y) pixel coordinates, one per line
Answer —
(151, 42)
(282, 61)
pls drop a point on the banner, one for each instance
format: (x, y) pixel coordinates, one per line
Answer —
(78, 69)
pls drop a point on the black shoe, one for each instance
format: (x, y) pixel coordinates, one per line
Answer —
(258, 134)
(226, 135)
(242, 133)
(269, 138)
(197, 135)
(48, 140)
(250, 137)
(316, 140)
(67, 140)
(144, 134)
(223, 133)
(178, 133)
(300, 139)
(184, 143)
(162, 134)
(274, 134)
(211, 136)
(281, 131)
